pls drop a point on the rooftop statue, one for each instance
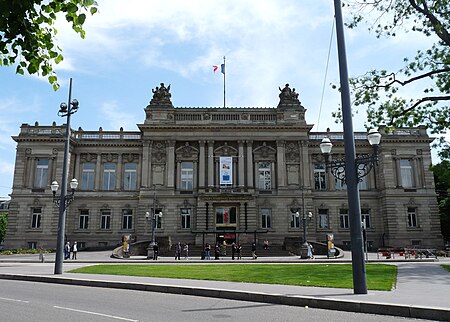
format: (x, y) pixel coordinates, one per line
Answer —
(161, 96)
(288, 96)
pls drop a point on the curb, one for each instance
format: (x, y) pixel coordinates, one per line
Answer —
(407, 311)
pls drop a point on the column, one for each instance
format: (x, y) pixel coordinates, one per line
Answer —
(77, 168)
(305, 169)
(119, 174)
(281, 164)
(98, 169)
(201, 164)
(145, 163)
(210, 164)
(170, 163)
(241, 179)
(250, 164)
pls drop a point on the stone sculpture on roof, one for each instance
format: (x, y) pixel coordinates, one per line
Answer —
(161, 96)
(288, 97)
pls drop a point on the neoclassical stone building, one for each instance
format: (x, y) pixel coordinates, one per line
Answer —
(219, 174)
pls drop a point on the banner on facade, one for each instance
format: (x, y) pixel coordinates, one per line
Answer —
(226, 170)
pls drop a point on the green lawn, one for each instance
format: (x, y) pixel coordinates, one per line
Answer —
(379, 276)
(447, 267)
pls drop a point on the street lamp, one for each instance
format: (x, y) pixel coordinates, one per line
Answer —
(351, 165)
(304, 247)
(153, 217)
(65, 110)
(295, 211)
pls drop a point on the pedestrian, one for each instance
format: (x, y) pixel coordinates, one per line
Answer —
(217, 251)
(233, 250)
(238, 251)
(155, 251)
(310, 251)
(177, 251)
(207, 251)
(186, 251)
(67, 250)
(74, 250)
(266, 244)
(254, 251)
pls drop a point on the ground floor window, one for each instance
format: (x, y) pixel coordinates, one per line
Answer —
(324, 220)
(84, 219)
(185, 218)
(266, 218)
(105, 221)
(344, 219)
(36, 218)
(226, 216)
(127, 219)
(412, 217)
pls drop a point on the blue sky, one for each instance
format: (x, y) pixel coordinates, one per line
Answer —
(132, 46)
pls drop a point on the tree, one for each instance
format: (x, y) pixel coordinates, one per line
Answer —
(442, 180)
(3, 225)
(380, 90)
(27, 33)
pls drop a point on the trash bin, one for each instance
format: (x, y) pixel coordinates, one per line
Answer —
(203, 255)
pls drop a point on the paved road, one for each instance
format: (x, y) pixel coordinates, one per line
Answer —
(28, 301)
(422, 287)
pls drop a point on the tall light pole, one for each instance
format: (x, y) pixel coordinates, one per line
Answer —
(154, 217)
(351, 164)
(304, 246)
(65, 110)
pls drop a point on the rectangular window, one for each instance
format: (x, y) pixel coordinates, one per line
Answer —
(109, 176)
(340, 185)
(36, 218)
(320, 181)
(130, 175)
(185, 218)
(295, 219)
(226, 216)
(87, 176)
(41, 173)
(127, 219)
(32, 245)
(266, 218)
(412, 217)
(187, 176)
(264, 175)
(365, 217)
(406, 173)
(364, 183)
(84, 219)
(105, 219)
(344, 219)
(324, 220)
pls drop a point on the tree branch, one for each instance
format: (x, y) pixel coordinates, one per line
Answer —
(403, 83)
(437, 26)
(420, 101)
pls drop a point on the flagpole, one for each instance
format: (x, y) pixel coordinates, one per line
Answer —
(223, 71)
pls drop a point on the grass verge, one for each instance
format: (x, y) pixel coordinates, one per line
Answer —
(447, 267)
(380, 277)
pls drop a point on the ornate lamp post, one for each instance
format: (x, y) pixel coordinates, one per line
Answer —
(295, 211)
(351, 171)
(153, 217)
(65, 110)
(351, 165)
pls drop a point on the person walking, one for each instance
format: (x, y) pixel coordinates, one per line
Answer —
(254, 251)
(74, 250)
(155, 251)
(177, 251)
(217, 251)
(186, 251)
(238, 251)
(233, 250)
(207, 251)
(67, 250)
(266, 244)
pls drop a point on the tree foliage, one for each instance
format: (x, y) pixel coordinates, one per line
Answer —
(442, 180)
(429, 70)
(3, 225)
(27, 33)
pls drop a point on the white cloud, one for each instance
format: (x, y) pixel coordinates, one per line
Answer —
(118, 117)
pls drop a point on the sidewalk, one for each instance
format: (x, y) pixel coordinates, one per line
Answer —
(422, 286)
